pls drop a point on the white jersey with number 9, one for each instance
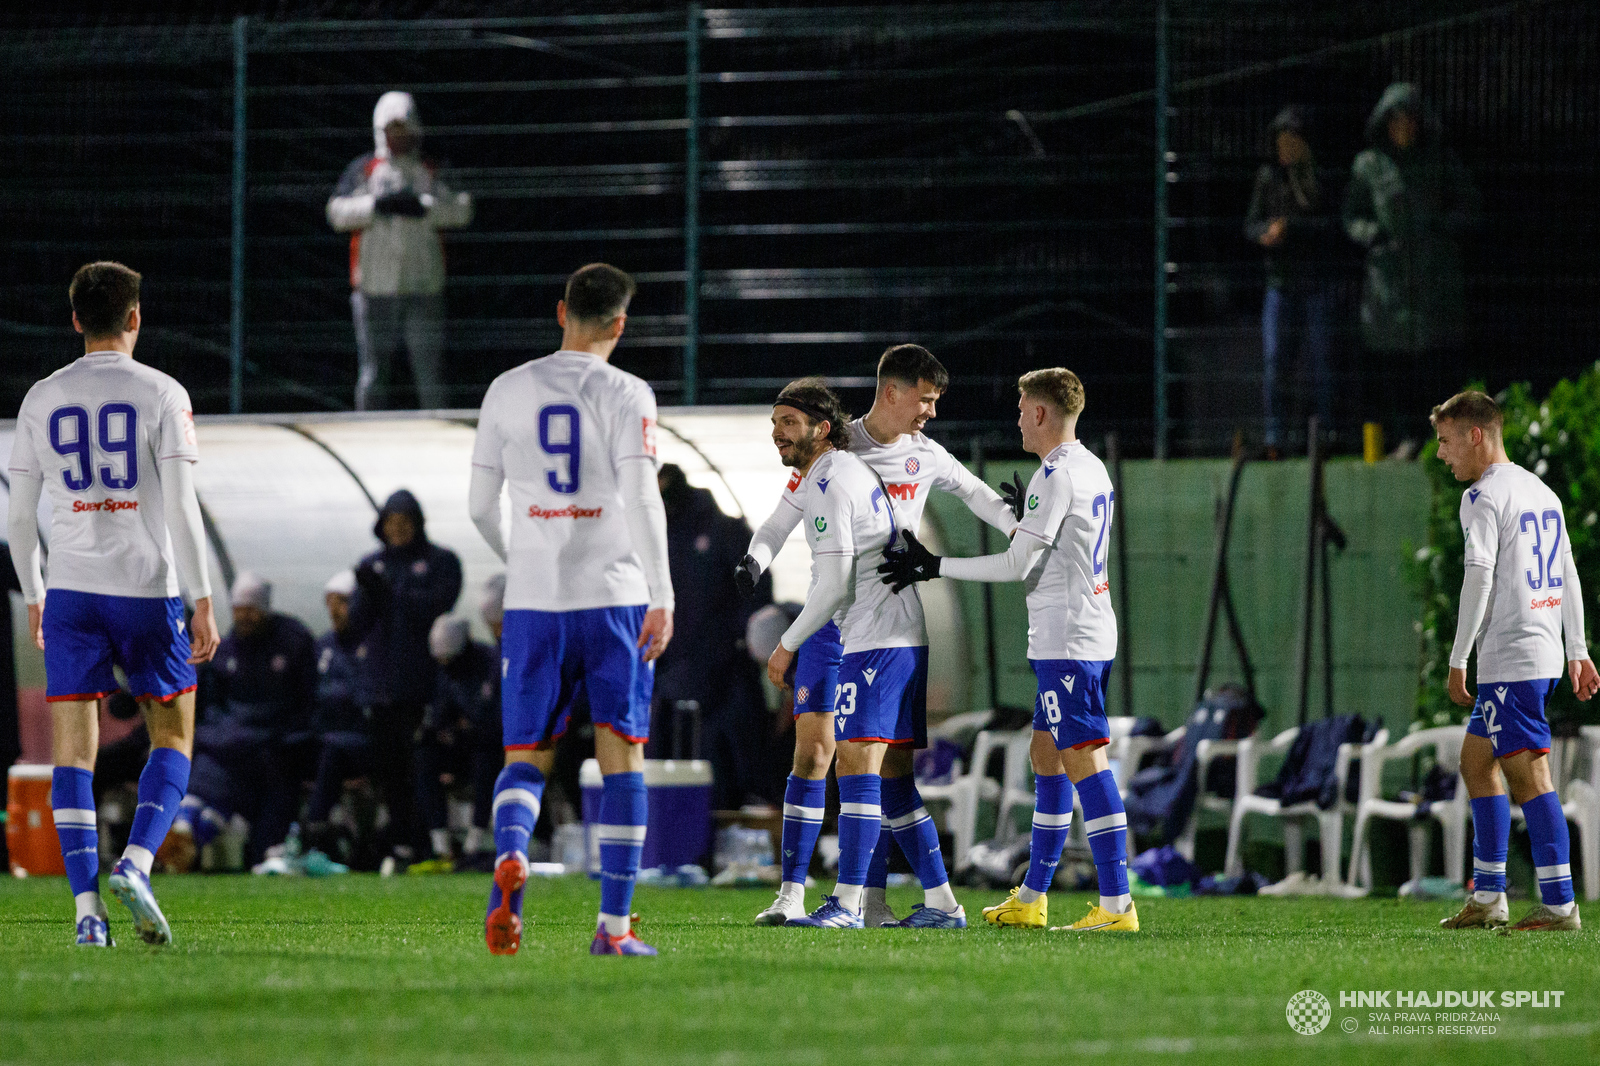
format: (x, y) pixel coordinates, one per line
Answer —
(557, 429)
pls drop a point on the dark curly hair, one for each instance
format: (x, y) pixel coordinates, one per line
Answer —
(817, 402)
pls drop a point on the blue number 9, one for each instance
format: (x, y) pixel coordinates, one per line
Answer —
(124, 442)
(566, 445)
(69, 436)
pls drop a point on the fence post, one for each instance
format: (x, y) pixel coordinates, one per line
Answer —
(236, 277)
(691, 216)
(1163, 92)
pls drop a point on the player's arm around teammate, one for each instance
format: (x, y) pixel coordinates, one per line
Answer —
(807, 424)
(1058, 550)
(1515, 581)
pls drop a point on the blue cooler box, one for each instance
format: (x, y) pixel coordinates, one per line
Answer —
(679, 829)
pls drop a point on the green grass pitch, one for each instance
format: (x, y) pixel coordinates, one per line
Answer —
(358, 970)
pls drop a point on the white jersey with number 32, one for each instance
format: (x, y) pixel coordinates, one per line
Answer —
(1514, 525)
(96, 431)
(557, 429)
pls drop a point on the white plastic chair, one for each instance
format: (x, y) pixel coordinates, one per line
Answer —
(1450, 814)
(1131, 750)
(1330, 823)
(1582, 808)
(973, 786)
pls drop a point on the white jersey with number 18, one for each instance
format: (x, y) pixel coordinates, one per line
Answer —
(96, 431)
(558, 429)
(1069, 507)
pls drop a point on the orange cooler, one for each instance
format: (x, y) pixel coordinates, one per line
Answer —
(30, 827)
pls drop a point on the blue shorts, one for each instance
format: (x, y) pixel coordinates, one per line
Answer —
(882, 695)
(1510, 716)
(816, 671)
(1071, 705)
(546, 655)
(85, 633)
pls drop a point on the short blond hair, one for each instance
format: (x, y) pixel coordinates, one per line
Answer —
(1057, 386)
(1471, 407)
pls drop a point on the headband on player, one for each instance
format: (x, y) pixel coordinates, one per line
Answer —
(817, 414)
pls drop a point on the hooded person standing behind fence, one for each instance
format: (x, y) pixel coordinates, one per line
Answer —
(1410, 203)
(393, 203)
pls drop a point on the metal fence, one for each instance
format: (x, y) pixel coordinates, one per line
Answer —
(794, 188)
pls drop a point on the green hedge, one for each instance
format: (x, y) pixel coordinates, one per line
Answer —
(1558, 439)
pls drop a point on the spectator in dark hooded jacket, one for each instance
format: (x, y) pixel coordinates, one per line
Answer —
(707, 667)
(1289, 218)
(1410, 204)
(400, 589)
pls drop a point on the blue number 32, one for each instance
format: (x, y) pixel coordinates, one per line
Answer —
(1543, 572)
(117, 434)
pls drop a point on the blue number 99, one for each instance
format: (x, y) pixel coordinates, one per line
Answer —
(120, 436)
(69, 436)
(559, 436)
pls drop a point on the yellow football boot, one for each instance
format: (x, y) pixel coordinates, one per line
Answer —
(1100, 920)
(1013, 911)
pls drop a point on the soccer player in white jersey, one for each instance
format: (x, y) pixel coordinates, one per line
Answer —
(112, 443)
(849, 522)
(890, 441)
(1519, 594)
(1059, 553)
(588, 593)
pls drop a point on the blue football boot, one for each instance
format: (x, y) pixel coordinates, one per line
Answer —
(131, 886)
(626, 944)
(923, 916)
(93, 932)
(831, 915)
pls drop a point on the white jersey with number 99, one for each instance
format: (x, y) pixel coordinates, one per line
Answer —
(95, 432)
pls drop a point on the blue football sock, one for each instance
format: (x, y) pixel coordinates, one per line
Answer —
(1106, 823)
(161, 786)
(517, 792)
(914, 830)
(72, 803)
(1547, 830)
(860, 824)
(878, 868)
(1491, 836)
(624, 810)
(803, 804)
(1052, 820)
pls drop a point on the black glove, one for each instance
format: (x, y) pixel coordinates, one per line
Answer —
(1014, 495)
(400, 202)
(745, 576)
(909, 564)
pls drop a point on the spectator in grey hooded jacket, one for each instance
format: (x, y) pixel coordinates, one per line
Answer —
(393, 203)
(1410, 204)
